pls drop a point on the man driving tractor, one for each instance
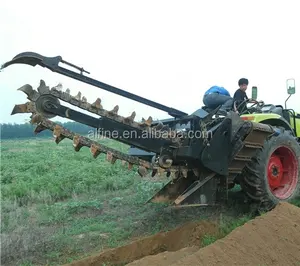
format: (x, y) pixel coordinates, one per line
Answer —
(216, 96)
(240, 97)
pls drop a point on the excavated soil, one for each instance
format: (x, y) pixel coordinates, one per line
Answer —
(271, 239)
(188, 235)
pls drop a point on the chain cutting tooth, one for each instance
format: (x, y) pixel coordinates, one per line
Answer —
(39, 128)
(84, 103)
(130, 118)
(159, 126)
(196, 172)
(78, 96)
(57, 134)
(130, 166)
(28, 107)
(114, 111)
(76, 143)
(58, 87)
(147, 122)
(172, 174)
(97, 104)
(110, 157)
(161, 171)
(184, 173)
(154, 172)
(95, 150)
(142, 171)
(36, 118)
(165, 128)
(67, 94)
(28, 90)
(43, 88)
(168, 174)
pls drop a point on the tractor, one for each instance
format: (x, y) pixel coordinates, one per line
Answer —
(203, 154)
(279, 158)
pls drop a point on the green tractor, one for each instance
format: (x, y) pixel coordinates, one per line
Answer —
(278, 158)
(258, 149)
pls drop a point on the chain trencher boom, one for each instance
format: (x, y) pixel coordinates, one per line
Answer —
(59, 132)
(196, 165)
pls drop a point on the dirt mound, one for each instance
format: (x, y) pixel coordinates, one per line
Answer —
(272, 239)
(165, 258)
(188, 235)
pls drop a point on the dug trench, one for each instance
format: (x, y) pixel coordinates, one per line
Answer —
(188, 235)
(270, 239)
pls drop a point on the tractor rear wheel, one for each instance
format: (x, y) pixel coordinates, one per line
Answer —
(273, 175)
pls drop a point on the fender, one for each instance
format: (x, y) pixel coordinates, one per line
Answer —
(270, 119)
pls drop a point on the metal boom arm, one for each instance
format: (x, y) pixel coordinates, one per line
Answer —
(52, 63)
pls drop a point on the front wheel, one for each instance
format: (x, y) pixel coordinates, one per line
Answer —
(273, 175)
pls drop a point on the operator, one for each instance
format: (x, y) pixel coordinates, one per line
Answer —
(240, 96)
(216, 96)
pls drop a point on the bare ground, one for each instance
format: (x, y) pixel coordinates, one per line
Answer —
(188, 235)
(271, 239)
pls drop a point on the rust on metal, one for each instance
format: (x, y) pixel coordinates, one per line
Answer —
(58, 87)
(253, 140)
(28, 107)
(130, 118)
(57, 134)
(77, 143)
(27, 89)
(147, 122)
(97, 104)
(95, 150)
(95, 108)
(84, 99)
(78, 96)
(39, 128)
(114, 111)
(110, 157)
(184, 173)
(43, 89)
(142, 171)
(36, 118)
(198, 184)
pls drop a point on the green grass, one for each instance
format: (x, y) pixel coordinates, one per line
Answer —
(59, 205)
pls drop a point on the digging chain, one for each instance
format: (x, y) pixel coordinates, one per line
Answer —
(60, 133)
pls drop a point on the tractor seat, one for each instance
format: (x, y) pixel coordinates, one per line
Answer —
(207, 109)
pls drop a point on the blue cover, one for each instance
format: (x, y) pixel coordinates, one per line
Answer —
(217, 89)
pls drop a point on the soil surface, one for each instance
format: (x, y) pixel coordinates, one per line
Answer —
(271, 239)
(188, 235)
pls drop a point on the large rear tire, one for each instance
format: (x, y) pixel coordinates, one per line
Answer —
(273, 175)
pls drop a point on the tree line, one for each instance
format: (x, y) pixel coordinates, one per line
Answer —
(26, 130)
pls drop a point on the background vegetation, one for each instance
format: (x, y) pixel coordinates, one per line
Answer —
(59, 205)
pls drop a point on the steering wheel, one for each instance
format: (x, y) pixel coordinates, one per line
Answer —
(251, 109)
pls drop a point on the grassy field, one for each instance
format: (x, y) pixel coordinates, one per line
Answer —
(59, 205)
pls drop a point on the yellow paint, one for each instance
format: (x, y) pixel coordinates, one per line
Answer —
(258, 118)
